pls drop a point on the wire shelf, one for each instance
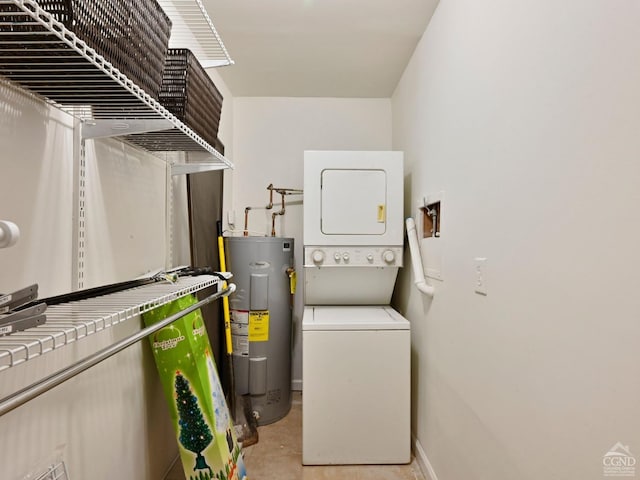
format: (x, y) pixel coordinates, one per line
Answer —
(69, 322)
(193, 27)
(57, 471)
(51, 61)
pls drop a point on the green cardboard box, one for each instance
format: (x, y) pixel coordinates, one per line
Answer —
(204, 430)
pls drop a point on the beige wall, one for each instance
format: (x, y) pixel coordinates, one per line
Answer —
(526, 114)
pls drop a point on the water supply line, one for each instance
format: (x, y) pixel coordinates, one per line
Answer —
(246, 220)
(248, 209)
(433, 213)
(282, 192)
(275, 214)
(416, 260)
(270, 188)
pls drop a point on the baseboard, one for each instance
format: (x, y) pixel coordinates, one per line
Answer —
(423, 461)
(296, 385)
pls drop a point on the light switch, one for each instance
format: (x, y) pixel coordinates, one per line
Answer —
(481, 275)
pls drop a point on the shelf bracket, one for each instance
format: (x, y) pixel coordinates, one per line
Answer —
(185, 168)
(104, 128)
(197, 162)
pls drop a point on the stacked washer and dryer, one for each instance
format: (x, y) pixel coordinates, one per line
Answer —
(355, 347)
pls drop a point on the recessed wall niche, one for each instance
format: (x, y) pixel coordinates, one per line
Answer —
(431, 217)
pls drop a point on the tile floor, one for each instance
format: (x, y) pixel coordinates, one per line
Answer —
(278, 455)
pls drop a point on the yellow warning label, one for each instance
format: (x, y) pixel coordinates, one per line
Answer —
(259, 326)
(381, 214)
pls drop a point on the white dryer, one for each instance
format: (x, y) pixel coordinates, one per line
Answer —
(353, 226)
(355, 348)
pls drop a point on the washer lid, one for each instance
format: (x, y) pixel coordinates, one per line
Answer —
(353, 318)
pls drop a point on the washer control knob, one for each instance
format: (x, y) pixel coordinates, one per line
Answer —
(388, 256)
(336, 256)
(345, 257)
(317, 256)
(370, 258)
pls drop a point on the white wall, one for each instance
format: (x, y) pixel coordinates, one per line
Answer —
(111, 421)
(125, 212)
(269, 138)
(526, 115)
(125, 201)
(36, 193)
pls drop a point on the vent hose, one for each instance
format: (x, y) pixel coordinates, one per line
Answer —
(416, 260)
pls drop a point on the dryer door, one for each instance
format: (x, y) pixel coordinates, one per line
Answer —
(353, 202)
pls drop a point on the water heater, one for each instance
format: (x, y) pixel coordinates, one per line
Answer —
(261, 316)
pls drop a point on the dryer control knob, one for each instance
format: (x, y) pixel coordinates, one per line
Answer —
(370, 258)
(345, 257)
(388, 256)
(337, 257)
(317, 256)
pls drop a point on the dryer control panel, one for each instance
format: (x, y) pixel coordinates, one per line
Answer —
(350, 256)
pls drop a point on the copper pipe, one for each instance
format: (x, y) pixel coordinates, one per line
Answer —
(246, 221)
(289, 191)
(270, 188)
(282, 192)
(273, 216)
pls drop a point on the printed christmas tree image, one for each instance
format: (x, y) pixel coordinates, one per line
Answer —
(195, 434)
(202, 423)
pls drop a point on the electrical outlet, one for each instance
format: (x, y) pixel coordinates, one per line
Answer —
(481, 275)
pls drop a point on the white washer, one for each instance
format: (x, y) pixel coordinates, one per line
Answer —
(356, 398)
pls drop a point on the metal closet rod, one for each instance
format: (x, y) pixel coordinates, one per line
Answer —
(30, 392)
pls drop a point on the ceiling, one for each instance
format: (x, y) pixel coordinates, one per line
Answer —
(318, 48)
